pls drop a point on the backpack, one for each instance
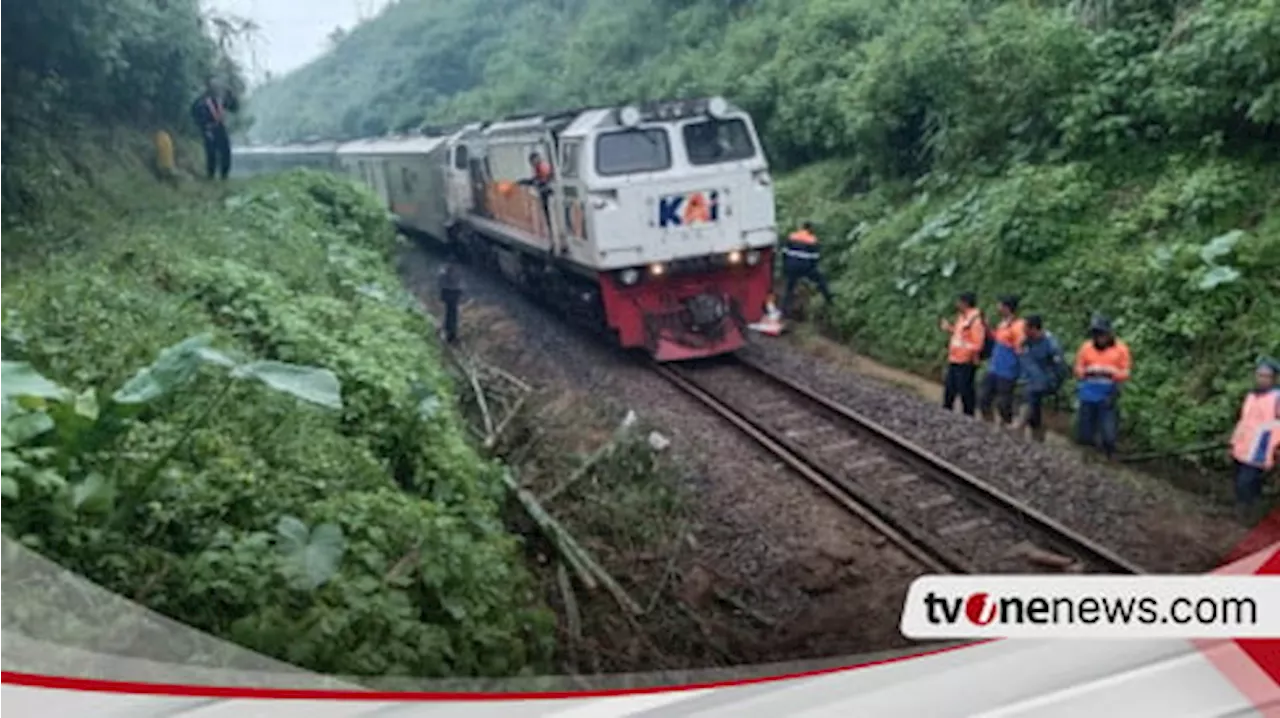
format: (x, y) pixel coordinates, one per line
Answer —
(1058, 371)
(988, 341)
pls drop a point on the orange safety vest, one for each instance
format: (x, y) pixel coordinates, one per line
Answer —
(1113, 362)
(802, 245)
(803, 236)
(1011, 332)
(967, 335)
(1257, 435)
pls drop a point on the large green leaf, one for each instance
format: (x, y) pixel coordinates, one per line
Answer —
(93, 495)
(175, 366)
(1218, 276)
(8, 487)
(18, 378)
(1220, 246)
(311, 557)
(87, 405)
(311, 384)
(24, 427)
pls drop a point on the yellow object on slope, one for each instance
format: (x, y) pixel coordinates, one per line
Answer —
(164, 152)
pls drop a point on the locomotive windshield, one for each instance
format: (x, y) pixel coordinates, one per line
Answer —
(712, 141)
(629, 151)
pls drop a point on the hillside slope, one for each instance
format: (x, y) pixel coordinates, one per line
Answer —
(1093, 155)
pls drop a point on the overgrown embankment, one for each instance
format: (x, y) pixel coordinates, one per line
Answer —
(244, 424)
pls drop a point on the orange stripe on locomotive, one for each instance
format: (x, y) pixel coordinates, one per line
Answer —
(517, 206)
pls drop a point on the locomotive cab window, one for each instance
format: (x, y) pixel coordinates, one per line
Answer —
(712, 141)
(569, 153)
(460, 157)
(628, 151)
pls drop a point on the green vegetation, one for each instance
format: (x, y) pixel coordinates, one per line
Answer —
(79, 72)
(1110, 155)
(231, 412)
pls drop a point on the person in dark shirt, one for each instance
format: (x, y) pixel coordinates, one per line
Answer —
(210, 114)
(1042, 369)
(450, 294)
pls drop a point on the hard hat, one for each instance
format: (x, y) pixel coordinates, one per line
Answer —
(1099, 324)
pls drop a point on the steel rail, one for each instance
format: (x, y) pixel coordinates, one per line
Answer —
(848, 497)
(1089, 548)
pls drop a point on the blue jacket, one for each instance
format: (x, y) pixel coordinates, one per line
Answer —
(1004, 361)
(1041, 365)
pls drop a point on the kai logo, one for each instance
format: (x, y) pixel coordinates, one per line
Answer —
(689, 210)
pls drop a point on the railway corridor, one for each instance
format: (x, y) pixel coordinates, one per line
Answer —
(947, 518)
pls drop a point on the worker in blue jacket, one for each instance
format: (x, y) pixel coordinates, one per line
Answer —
(1042, 370)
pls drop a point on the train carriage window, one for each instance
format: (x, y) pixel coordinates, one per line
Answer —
(629, 151)
(715, 141)
(460, 159)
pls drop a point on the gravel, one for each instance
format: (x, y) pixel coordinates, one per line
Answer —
(1140, 517)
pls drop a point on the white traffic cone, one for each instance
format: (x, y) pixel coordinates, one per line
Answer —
(771, 322)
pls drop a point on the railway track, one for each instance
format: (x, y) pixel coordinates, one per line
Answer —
(945, 518)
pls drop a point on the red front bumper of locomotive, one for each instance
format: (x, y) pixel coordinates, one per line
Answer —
(688, 315)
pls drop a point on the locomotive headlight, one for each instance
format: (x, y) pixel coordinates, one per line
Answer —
(629, 116)
(753, 258)
(657, 270)
(717, 107)
(734, 257)
(629, 276)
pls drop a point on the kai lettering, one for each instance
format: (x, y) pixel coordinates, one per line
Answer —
(689, 210)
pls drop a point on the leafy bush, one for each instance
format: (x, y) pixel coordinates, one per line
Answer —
(287, 469)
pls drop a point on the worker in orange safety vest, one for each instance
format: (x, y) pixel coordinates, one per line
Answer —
(964, 352)
(1102, 368)
(1256, 439)
(800, 261)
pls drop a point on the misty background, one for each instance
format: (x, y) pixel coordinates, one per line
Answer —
(292, 33)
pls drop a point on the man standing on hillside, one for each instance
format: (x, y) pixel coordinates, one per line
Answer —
(210, 114)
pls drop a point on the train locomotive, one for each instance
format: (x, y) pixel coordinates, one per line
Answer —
(654, 222)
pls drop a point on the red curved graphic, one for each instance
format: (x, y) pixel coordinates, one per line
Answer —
(199, 691)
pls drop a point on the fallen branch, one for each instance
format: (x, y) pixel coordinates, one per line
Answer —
(589, 572)
(572, 616)
(506, 375)
(739, 604)
(502, 425)
(594, 459)
(480, 401)
(668, 571)
(555, 533)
